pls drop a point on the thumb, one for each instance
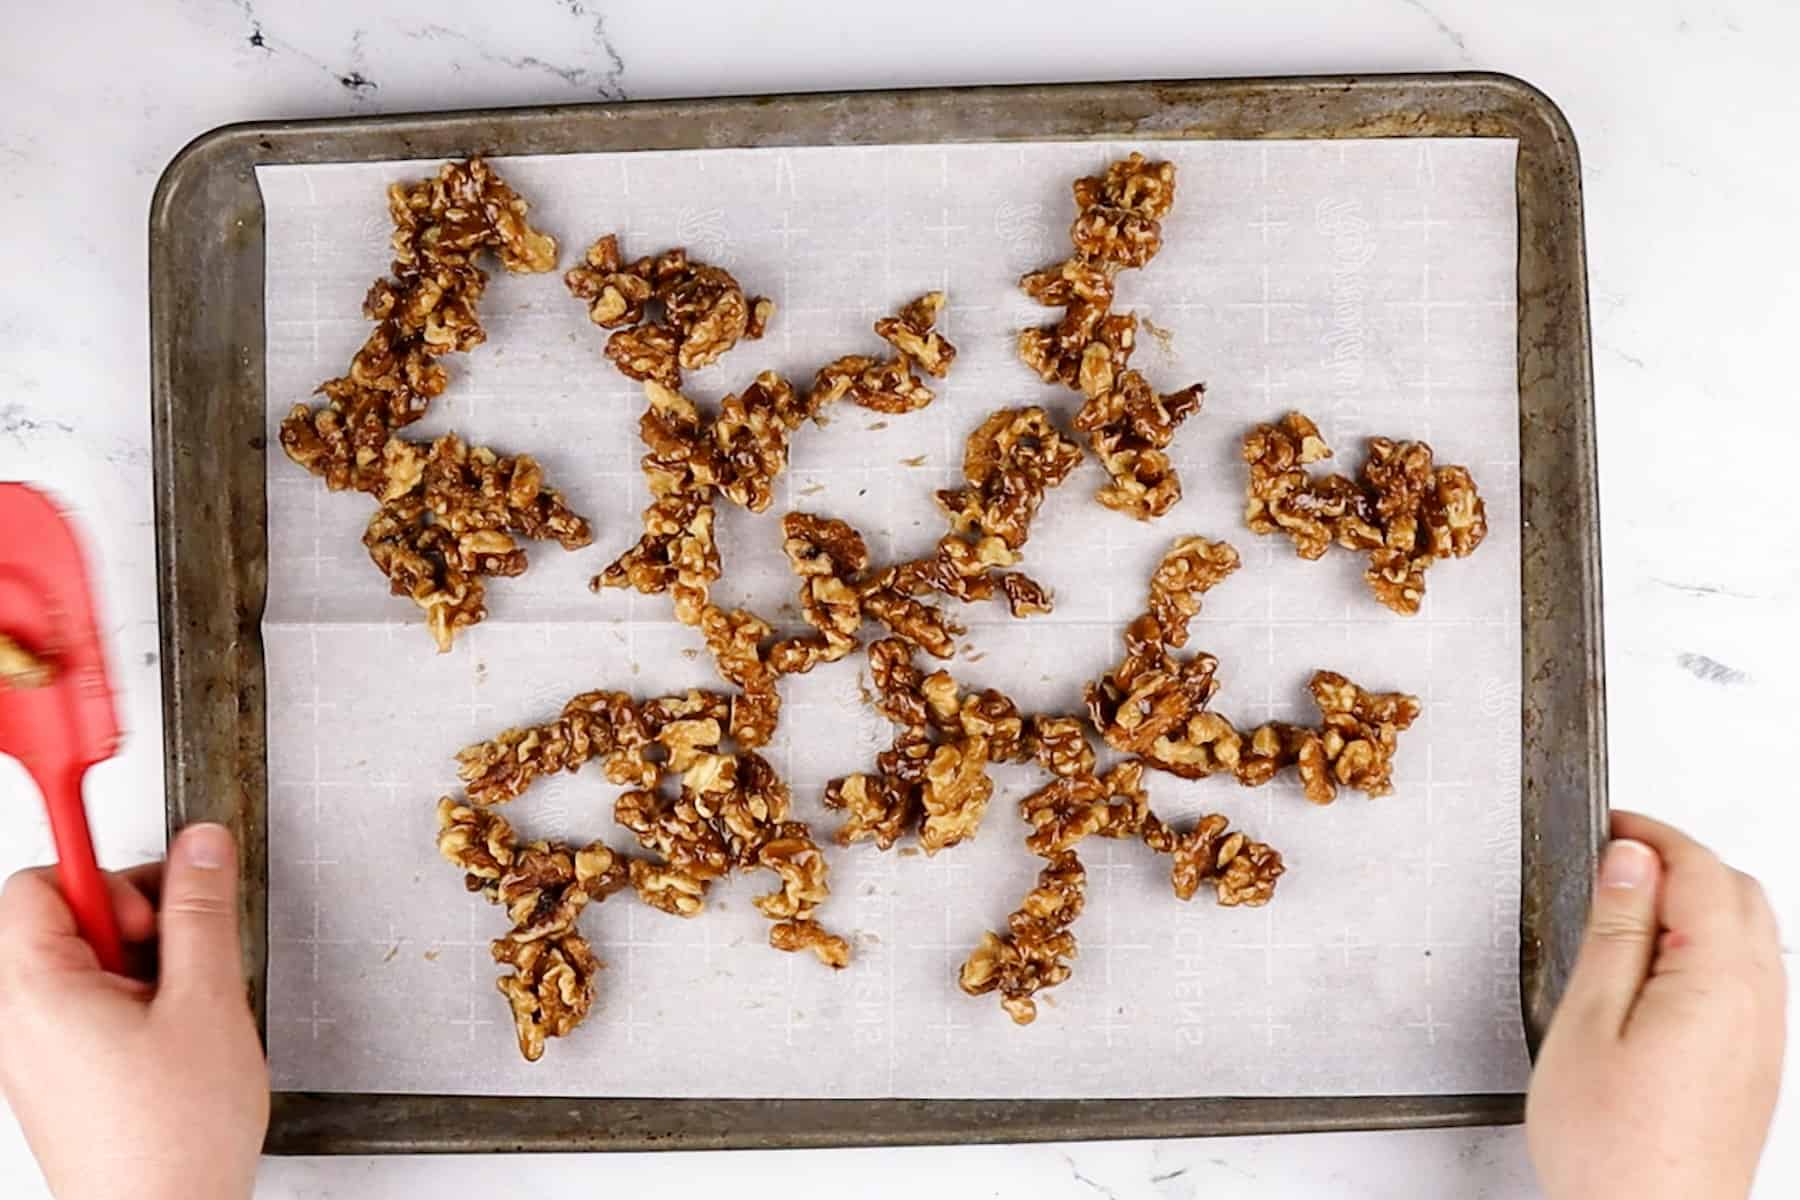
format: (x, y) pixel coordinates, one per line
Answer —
(1621, 938)
(199, 951)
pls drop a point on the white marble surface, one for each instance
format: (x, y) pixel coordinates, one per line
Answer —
(1686, 131)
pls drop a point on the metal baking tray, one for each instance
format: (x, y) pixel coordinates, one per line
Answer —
(208, 412)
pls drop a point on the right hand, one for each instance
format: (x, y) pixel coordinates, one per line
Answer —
(1661, 1069)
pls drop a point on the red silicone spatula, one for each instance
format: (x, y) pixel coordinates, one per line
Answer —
(62, 726)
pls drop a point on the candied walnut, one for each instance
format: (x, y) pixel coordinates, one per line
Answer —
(884, 599)
(1241, 871)
(646, 352)
(1150, 694)
(547, 886)
(747, 802)
(710, 310)
(1121, 211)
(616, 297)
(472, 490)
(1189, 569)
(693, 852)
(884, 385)
(478, 842)
(592, 725)
(1453, 513)
(678, 891)
(993, 717)
(1140, 187)
(740, 453)
(1358, 734)
(828, 556)
(1279, 495)
(1401, 509)
(1035, 951)
(19, 668)
(792, 855)
(956, 794)
(465, 209)
(1061, 814)
(750, 436)
(1084, 290)
(794, 936)
(1154, 705)
(1009, 463)
(551, 987)
(1129, 428)
(898, 683)
(676, 552)
(889, 385)
(423, 563)
(736, 638)
(879, 808)
(1011, 460)
(1061, 747)
(911, 333)
(1207, 744)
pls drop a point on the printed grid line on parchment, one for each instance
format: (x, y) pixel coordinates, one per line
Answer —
(1369, 283)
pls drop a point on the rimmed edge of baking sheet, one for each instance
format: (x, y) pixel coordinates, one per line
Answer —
(206, 316)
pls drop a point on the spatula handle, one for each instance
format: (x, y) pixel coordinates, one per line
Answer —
(83, 886)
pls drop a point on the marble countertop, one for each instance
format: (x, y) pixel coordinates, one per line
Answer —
(1684, 120)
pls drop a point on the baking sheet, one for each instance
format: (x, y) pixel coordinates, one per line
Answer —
(1370, 283)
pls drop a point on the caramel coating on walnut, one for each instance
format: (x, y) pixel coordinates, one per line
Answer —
(1402, 509)
(1241, 871)
(1129, 424)
(1070, 808)
(551, 987)
(1036, 950)
(1143, 703)
(1358, 733)
(1189, 569)
(795, 936)
(592, 725)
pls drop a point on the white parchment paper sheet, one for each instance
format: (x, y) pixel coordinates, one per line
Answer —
(1369, 283)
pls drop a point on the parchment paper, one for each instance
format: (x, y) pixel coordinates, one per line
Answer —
(1369, 283)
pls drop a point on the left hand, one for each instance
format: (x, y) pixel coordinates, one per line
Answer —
(151, 1087)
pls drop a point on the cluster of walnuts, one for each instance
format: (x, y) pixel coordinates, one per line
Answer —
(727, 811)
(1153, 709)
(668, 314)
(1129, 425)
(1402, 509)
(449, 515)
(697, 797)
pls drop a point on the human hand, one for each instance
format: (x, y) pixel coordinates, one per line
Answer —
(151, 1088)
(1660, 1072)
